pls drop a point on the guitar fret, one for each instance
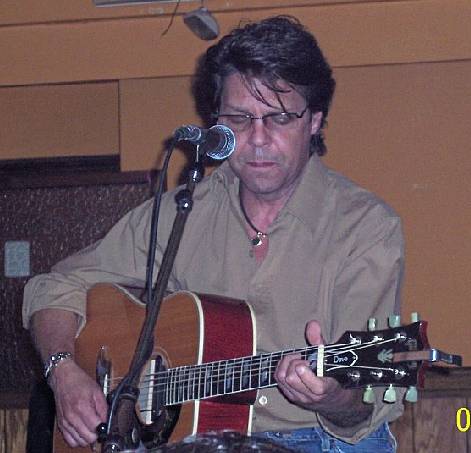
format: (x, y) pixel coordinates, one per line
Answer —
(247, 374)
(220, 381)
(209, 380)
(171, 387)
(184, 384)
(216, 378)
(200, 394)
(242, 378)
(236, 376)
(192, 380)
(227, 378)
(206, 381)
(178, 387)
(270, 369)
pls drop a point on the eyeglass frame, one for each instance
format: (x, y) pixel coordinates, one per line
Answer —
(268, 115)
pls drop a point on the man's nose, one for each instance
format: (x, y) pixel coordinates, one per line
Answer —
(259, 134)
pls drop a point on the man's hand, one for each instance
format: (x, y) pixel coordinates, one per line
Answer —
(325, 395)
(80, 404)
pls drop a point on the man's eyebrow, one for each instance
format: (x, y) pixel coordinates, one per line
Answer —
(246, 112)
(237, 109)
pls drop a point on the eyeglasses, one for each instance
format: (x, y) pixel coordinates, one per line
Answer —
(240, 122)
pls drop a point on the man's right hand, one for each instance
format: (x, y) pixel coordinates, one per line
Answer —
(80, 404)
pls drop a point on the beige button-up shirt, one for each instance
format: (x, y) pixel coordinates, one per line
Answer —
(335, 254)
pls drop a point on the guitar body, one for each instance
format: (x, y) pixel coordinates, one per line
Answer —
(191, 329)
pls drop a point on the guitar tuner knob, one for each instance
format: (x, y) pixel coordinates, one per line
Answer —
(390, 395)
(394, 321)
(372, 324)
(355, 340)
(414, 317)
(377, 374)
(400, 373)
(354, 375)
(369, 395)
(401, 336)
(411, 394)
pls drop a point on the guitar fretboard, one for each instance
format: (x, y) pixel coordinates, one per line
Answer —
(188, 383)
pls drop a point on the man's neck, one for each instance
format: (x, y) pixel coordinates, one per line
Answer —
(261, 209)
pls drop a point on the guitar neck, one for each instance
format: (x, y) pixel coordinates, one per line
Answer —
(224, 377)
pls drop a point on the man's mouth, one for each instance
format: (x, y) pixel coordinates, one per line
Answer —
(261, 164)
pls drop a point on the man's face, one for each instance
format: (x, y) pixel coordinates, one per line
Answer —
(269, 161)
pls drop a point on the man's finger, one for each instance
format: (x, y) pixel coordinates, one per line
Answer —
(313, 333)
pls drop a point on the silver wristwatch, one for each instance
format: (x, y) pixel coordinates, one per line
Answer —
(54, 360)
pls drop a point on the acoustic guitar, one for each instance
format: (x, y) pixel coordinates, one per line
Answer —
(204, 374)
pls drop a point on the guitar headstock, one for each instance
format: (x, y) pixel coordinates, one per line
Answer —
(394, 357)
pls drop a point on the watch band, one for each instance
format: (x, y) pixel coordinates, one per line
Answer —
(54, 360)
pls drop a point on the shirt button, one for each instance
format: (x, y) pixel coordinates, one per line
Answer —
(263, 400)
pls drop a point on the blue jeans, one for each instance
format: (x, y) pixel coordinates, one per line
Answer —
(316, 440)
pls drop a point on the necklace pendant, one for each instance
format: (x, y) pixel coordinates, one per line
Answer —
(258, 240)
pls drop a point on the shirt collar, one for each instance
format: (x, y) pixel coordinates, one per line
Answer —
(307, 200)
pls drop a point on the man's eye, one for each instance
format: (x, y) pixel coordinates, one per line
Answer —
(239, 119)
(281, 118)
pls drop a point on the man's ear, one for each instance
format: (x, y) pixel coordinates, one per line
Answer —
(316, 122)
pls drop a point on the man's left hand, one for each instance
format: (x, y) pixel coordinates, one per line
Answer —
(302, 387)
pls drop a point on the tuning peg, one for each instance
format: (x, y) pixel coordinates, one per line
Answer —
(394, 321)
(414, 317)
(411, 394)
(372, 324)
(390, 395)
(369, 395)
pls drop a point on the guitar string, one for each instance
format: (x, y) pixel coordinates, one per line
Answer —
(238, 371)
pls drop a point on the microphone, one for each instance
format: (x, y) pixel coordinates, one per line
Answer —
(217, 142)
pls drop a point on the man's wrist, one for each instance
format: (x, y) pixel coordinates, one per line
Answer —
(54, 360)
(349, 411)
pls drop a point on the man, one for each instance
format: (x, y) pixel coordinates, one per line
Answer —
(272, 226)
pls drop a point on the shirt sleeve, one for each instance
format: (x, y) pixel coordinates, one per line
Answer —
(120, 257)
(368, 286)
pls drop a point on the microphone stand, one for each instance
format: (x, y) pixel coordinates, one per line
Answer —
(121, 432)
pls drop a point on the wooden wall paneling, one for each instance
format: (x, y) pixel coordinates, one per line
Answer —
(401, 131)
(435, 426)
(30, 11)
(468, 434)
(13, 423)
(403, 430)
(351, 34)
(150, 110)
(59, 120)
